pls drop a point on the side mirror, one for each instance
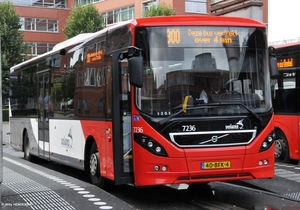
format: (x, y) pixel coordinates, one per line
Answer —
(273, 63)
(135, 65)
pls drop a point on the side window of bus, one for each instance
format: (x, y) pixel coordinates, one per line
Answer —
(289, 96)
(284, 93)
(289, 92)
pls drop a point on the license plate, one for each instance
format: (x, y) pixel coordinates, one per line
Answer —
(215, 165)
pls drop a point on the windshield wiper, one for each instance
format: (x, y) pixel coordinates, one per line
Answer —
(251, 112)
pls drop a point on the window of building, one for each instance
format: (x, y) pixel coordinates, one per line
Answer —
(118, 15)
(38, 48)
(41, 3)
(196, 6)
(41, 25)
(52, 25)
(38, 24)
(27, 24)
(89, 77)
(147, 4)
(110, 18)
(80, 79)
(85, 2)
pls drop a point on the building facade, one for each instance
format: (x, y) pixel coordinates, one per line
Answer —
(114, 11)
(43, 20)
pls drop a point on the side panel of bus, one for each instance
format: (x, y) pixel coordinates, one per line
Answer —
(66, 141)
(17, 126)
(287, 118)
(289, 126)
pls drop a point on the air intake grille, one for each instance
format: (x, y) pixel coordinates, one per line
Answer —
(213, 138)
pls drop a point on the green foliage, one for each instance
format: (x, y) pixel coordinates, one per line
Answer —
(83, 19)
(13, 47)
(160, 10)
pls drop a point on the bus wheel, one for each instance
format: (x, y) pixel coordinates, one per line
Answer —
(95, 167)
(281, 148)
(27, 155)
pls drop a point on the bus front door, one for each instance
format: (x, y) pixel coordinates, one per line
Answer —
(44, 100)
(121, 118)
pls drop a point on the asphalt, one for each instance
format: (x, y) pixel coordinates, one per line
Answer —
(26, 185)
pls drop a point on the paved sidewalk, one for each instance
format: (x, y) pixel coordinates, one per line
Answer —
(31, 186)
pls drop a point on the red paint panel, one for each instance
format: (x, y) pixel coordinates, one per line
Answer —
(101, 132)
(289, 125)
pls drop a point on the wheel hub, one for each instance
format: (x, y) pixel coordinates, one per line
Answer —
(278, 148)
(93, 164)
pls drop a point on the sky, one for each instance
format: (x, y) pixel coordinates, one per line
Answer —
(283, 21)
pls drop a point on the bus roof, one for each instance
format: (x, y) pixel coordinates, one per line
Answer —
(69, 42)
(196, 20)
(292, 44)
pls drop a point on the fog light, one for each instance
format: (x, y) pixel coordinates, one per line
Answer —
(164, 168)
(156, 168)
(266, 162)
(260, 163)
(158, 149)
(150, 144)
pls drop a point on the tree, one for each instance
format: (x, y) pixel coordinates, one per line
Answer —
(83, 19)
(159, 10)
(13, 47)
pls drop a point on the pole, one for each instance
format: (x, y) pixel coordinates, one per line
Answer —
(1, 130)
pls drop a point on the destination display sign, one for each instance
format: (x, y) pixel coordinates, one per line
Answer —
(284, 63)
(94, 56)
(193, 36)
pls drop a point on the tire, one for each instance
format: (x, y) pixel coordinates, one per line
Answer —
(94, 170)
(27, 155)
(282, 154)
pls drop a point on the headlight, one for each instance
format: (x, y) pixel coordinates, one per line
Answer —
(150, 144)
(267, 143)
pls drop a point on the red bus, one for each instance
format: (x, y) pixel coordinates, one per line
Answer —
(151, 101)
(285, 92)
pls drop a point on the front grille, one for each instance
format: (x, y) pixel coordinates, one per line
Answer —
(213, 138)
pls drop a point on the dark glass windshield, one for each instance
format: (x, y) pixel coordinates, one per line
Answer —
(201, 66)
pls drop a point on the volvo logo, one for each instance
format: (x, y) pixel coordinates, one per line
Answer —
(214, 139)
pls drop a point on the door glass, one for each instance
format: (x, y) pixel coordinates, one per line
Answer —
(125, 118)
(44, 105)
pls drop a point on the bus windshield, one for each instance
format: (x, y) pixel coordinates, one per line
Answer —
(201, 66)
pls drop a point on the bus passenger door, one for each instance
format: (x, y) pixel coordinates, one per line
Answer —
(121, 118)
(44, 100)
